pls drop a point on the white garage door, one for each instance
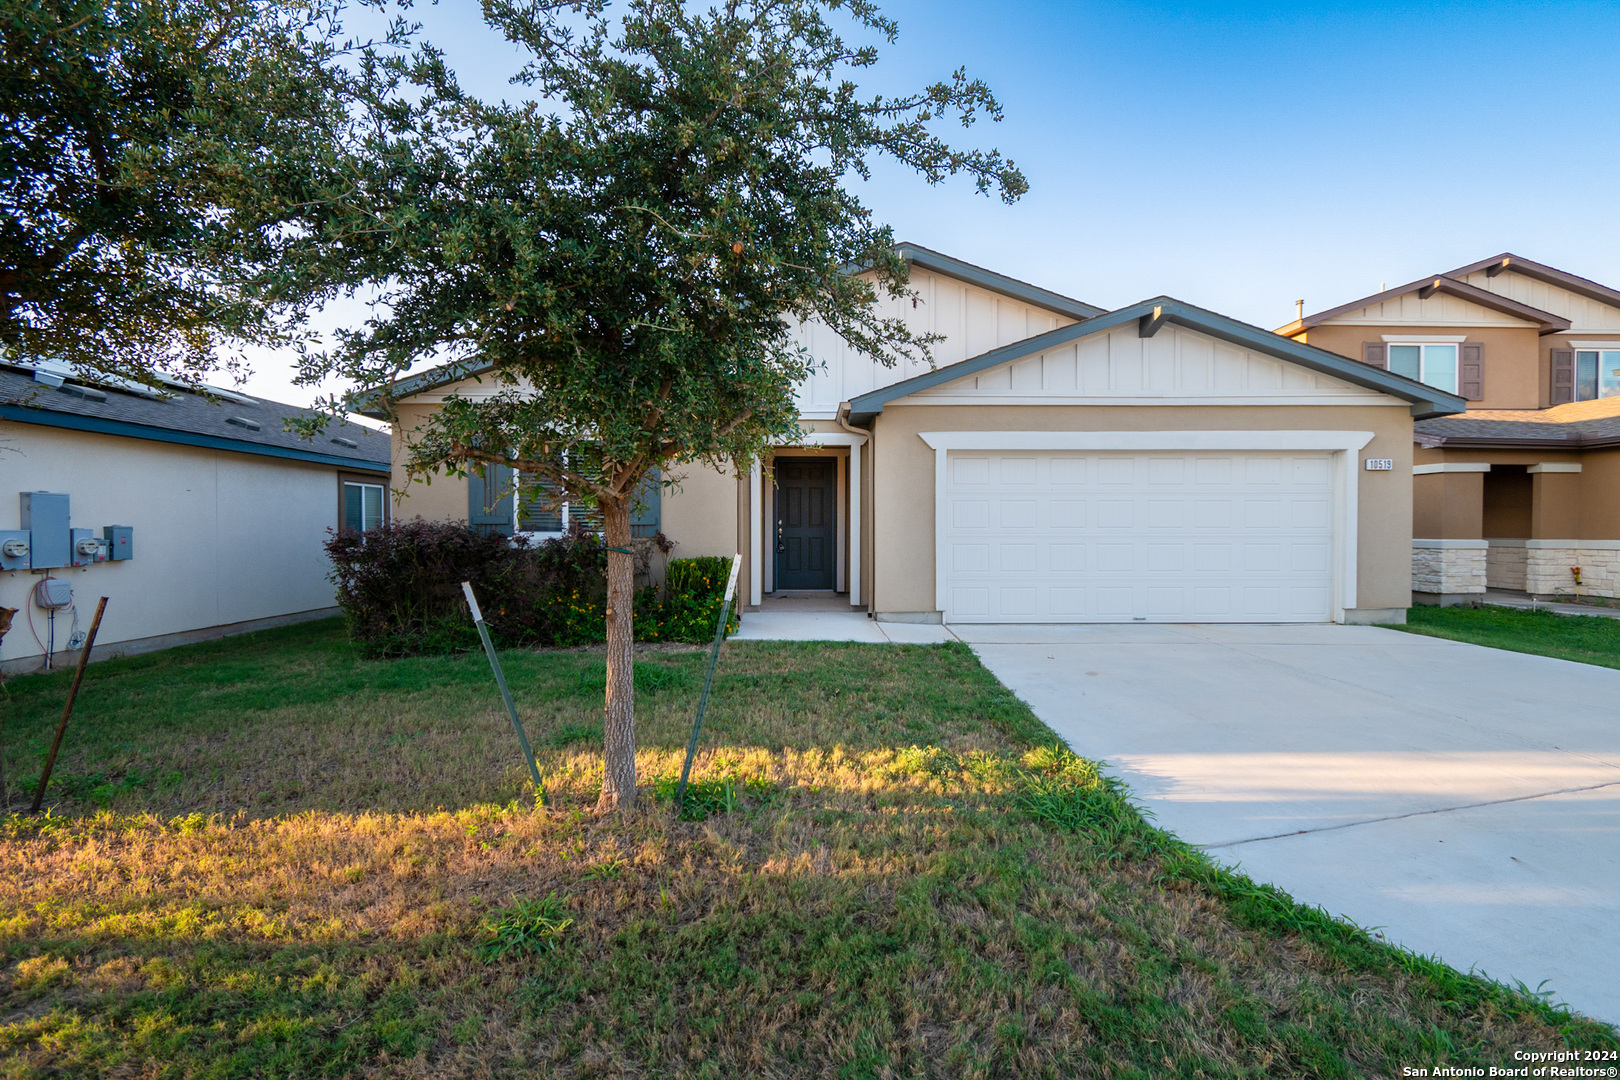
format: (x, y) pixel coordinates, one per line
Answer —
(1179, 536)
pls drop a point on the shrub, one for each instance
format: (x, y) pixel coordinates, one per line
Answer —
(400, 589)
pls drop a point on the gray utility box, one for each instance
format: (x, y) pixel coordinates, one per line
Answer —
(10, 538)
(45, 516)
(87, 547)
(120, 542)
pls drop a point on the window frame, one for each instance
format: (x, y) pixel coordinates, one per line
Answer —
(359, 480)
(1599, 353)
(1423, 348)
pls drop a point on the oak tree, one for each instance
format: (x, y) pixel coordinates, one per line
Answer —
(622, 255)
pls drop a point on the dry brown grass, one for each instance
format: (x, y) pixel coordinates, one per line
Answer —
(310, 896)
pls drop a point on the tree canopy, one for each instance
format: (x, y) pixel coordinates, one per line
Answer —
(157, 157)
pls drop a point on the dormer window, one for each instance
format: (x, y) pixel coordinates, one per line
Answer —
(1432, 364)
(1597, 374)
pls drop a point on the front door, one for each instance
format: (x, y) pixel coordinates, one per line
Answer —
(806, 552)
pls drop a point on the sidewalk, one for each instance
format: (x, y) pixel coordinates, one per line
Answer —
(1526, 602)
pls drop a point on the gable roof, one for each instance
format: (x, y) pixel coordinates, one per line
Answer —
(1518, 264)
(1150, 315)
(916, 254)
(232, 421)
(999, 283)
(1546, 321)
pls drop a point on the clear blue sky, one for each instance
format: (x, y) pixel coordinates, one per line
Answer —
(1241, 156)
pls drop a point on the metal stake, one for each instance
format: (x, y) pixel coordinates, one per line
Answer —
(708, 681)
(67, 710)
(506, 695)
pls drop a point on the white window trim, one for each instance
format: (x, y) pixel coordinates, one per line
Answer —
(1422, 344)
(1425, 339)
(382, 502)
(1579, 347)
(1344, 445)
(517, 514)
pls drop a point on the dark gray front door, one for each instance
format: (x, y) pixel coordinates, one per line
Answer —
(806, 555)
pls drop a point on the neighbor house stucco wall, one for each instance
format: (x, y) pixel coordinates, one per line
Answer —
(903, 481)
(220, 538)
(1515, 358)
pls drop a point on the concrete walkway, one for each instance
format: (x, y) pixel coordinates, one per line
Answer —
(1526, 602)
(824, 625)
(1464, 800)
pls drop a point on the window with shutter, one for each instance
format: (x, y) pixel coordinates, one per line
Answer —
(644, 513)
(1373, 352)
(489, 498)
(1471, 377)
(1563, 376)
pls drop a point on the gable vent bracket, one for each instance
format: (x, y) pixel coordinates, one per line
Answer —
(1150, 324)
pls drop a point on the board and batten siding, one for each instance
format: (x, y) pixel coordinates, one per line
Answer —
(1410, 309)
(1584, 313)
(973, 321)
(1120, 366)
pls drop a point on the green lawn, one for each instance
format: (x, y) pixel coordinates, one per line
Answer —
(271, 858)
(1589, 639)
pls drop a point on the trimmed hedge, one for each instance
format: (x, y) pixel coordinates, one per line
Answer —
(400, 589)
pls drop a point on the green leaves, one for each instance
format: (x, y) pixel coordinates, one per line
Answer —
(628, 255)
(158, 153)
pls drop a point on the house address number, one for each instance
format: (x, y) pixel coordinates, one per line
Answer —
(1380, 464)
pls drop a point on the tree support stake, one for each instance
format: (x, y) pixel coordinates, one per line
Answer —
(67, 710)
(708, 681)
(506, 695)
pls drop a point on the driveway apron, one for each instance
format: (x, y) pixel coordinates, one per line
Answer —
(1461, 801)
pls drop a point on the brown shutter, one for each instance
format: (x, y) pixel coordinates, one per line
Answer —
(1471, 370)
(1375, 353)
(1563, 376)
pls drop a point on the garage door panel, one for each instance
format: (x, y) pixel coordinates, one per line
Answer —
(1132, 537)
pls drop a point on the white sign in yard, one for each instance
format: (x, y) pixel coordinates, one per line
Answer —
(1380, 464)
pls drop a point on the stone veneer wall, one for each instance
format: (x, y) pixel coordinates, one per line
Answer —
(1547, 570)
(1504, 566)
(1442, 567)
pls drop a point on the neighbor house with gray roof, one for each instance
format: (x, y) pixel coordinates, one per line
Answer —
(1521, 491)
(192, 509)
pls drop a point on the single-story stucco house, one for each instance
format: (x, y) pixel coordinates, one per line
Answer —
(1059, 463)
(221, 514)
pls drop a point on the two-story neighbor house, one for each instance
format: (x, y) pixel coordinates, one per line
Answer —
(1520, 492)
(1058, 463)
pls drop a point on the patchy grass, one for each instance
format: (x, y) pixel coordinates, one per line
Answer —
(1588, 639)
(330, 867)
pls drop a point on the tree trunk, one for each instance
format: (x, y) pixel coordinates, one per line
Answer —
(619, 719)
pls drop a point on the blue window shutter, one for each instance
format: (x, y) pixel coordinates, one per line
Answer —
(489, 498)
(644, 513)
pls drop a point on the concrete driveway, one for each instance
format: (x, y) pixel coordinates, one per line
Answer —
(1463, 801)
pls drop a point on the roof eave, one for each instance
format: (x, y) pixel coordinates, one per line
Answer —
(1057, 303)
(1426, 402)
(1551, 275)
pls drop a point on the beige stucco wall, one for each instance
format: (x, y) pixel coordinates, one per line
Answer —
(1515, 358)
(903, 481)
(701, 514)
(439, 497)
(1448, 506)
(220, 537)
(1564, 506)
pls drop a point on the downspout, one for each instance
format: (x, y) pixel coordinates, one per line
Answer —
(856, 491)
(842, 417)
